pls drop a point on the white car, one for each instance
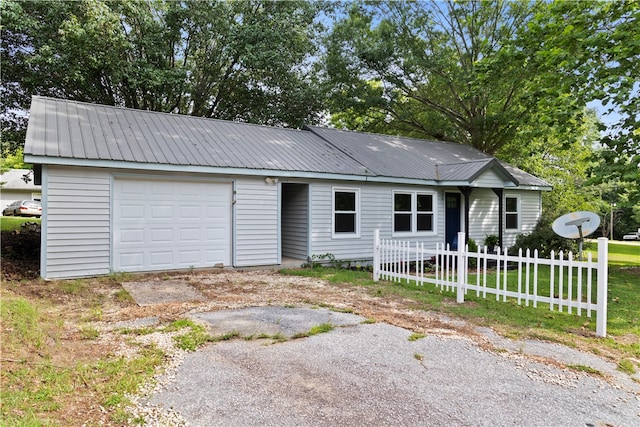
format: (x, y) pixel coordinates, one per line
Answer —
(632, 236)
(24, 208)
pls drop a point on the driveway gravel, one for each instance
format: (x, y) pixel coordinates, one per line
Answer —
(372, 375)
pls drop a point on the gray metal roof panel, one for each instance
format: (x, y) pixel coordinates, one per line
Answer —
(76, 130)
(100, 132)
(401, 157)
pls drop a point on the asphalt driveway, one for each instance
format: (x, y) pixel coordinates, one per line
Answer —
(372, 374)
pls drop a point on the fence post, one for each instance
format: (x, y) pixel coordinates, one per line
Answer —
(376, 255)
(603, 266)
(461, 267)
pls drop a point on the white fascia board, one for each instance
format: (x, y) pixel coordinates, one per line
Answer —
(163, 167)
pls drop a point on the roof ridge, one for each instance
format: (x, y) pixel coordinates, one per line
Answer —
(413, 138)
(366, 169)
(486, 160)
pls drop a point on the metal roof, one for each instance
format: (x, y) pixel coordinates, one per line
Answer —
(61, 131)
(76, 130)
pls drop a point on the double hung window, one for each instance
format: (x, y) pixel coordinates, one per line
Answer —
(346, 207)
(512, 213)
(413, 212)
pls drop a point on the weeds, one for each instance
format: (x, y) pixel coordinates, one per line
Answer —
(586, 369)
(315, 330)
(416, 336)
(626, 366)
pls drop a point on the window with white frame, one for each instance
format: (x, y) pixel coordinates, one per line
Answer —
(346, 209)
(512, 213)
(413, 212)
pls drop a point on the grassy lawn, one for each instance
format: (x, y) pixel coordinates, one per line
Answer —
(620, 253)
(519, 321)
(10, 223)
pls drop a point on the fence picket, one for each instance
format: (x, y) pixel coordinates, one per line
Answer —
(535, 278)
(570, 283)
(393, 260)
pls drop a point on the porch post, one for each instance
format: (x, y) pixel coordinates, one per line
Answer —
(466, 192)
(499, 192)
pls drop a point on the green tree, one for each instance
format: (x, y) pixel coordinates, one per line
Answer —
(241, 60)
(444, 70)
(594, 48)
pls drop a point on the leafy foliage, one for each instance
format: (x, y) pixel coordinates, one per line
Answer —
(444, 70)
(544, 240)
(241, 60)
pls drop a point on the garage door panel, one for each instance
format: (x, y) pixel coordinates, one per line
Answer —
(190, 234)
(162, 259)
(131, 235)
(162, 225)
(161, 210)
(161, 235)
(131, 261)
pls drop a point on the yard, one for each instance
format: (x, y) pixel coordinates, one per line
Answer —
(66, 362)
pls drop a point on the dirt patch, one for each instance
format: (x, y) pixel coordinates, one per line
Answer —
(158, 291)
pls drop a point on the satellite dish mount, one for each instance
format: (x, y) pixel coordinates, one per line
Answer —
(576, 225)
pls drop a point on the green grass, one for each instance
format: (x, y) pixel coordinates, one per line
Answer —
(195, 336)
(11, 223)
(315, 330)
(623, 254)
(34, 387)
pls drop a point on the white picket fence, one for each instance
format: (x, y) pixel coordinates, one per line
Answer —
(571, 282)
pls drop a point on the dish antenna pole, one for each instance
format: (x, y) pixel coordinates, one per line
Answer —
(576, 225)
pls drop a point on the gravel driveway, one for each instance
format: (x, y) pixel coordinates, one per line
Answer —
(372, 374)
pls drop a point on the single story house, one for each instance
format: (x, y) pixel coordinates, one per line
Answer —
(18, 184)
(131, 190)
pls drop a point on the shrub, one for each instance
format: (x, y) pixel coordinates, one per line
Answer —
(544, 240)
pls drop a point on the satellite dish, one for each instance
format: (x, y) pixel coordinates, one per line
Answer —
(576, 225)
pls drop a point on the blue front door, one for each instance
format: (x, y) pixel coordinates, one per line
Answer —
(452, 219)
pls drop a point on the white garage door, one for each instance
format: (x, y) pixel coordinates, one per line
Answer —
(163, 225)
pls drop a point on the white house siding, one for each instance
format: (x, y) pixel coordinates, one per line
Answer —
(294, 220)
(489, 179)
(376, 212)
(256, 222)
(530, 205)
(75, 222)
(483, 214)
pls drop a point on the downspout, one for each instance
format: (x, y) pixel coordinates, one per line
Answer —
(466, 192)
(499, 192)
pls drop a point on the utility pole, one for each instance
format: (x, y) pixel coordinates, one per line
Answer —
(613, 205)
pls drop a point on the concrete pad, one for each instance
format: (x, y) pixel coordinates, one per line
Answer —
(154, 292)
(373, 375)
(273, 320)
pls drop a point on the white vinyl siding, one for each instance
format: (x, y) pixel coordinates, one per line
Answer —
(76, 222)
(376, 212)
(530, 212)
(484, 215)
(295, 221)
(256, 222)
(489, 179)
